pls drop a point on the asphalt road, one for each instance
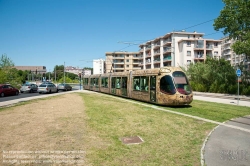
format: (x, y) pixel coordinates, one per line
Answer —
(24, 95)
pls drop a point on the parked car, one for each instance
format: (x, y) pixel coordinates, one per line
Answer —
(47, 88)
(29, 87)
(7, 90)
(64, 87)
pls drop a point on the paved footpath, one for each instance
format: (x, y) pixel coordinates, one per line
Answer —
(227, 146)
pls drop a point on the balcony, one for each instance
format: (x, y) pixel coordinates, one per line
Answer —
(201, 56)
(118, 62)
(167, 59)
(157, 61)
(148, 47)
(227, 53)
(157, 52)
(148, 55)
(136, 62)
(209, 47)
(118, 68)
(157, 45)
(137, 68)
(166, 50)
(199, 47)
(119, 57)
(140, 64)
(136, 56)
(167, 41)
(167, 64)
(226, 48)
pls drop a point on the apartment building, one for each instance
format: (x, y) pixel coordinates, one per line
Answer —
(122, 61)
(74, 70)
(229, 55)
(98, 66)
(178, 49)
(86, 72)
(33, 69)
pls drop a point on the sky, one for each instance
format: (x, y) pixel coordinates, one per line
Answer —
(74, 32)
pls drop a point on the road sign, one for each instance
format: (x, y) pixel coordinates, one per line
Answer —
(238, 72)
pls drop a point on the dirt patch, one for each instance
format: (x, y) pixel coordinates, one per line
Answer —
(55, 124)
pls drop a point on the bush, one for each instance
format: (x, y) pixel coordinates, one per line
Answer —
(198, 87)
(232, 89)
(246, 90)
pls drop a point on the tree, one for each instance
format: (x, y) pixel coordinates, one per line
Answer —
(8, 74)
(234, 19)
(212, 76)
(6, 65)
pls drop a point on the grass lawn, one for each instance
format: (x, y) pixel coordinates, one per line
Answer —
(169, 139)
(95, 123)
(213, 111)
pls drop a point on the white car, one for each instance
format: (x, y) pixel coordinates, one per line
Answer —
(29, 87)
(47, 88)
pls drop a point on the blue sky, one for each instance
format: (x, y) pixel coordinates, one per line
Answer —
(51, 32)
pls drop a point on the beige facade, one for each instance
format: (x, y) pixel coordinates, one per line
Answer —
(178, 49)
(122, 61)
(34, 69)
(86, 72)
(229, 55)
(74, 70)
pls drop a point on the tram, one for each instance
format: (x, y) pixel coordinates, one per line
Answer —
(164, 86)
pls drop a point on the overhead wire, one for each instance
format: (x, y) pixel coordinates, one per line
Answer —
(176, 31)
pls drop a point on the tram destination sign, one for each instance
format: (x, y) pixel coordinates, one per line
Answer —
(238, 72)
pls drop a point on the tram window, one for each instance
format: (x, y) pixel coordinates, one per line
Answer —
(118, 83)
(92, 81)
(106, 85)
(86, 80)
(113, 82)
(167, 85)
(181, 83)
(105, 82)
(97, 82)
(136, 83)
(124, 82)
(152, 82)
(144, 83)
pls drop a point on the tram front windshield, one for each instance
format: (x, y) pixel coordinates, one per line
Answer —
(181, 83)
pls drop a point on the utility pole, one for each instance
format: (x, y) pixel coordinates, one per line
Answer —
(55, 73)
(64, 73)
(49, 74)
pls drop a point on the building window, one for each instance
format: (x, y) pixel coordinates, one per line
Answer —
(188, 62)
(127, 60)
(127, 55)
(188, 43)
(188, 53)
(215, 53)
(215, 44)
(127, 65)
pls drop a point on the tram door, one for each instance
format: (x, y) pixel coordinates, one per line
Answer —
(124, 86)
(153, 88)
(113, 89)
